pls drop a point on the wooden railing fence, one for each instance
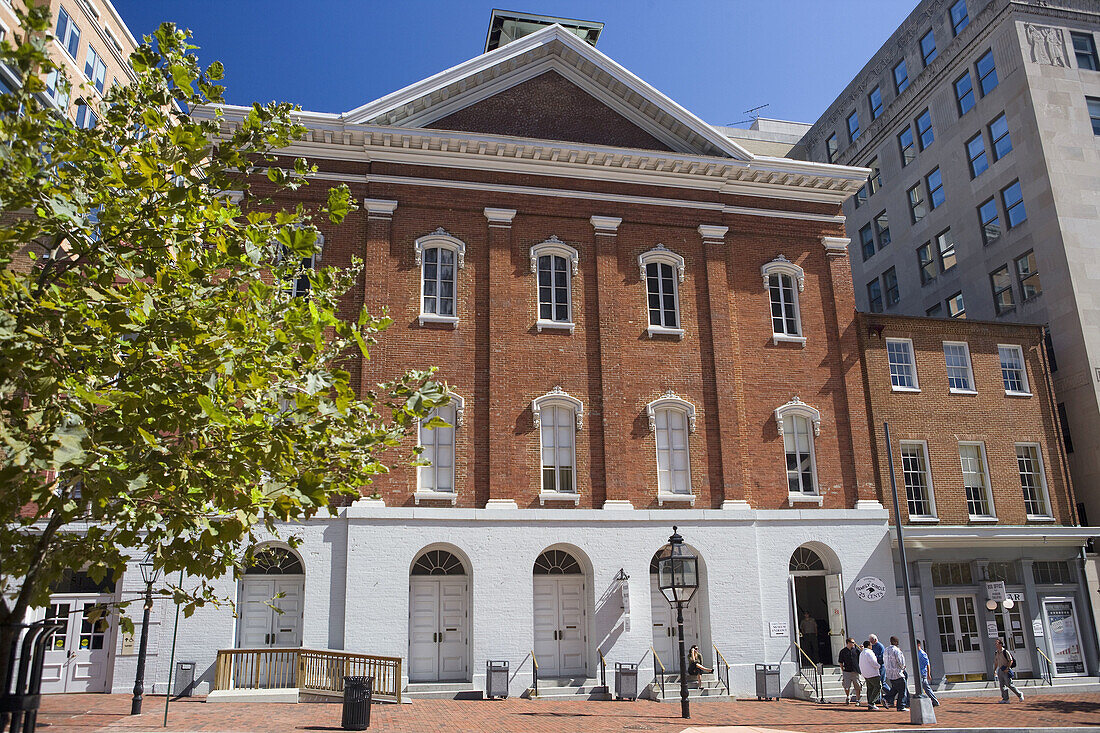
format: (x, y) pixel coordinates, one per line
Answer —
(310, 670)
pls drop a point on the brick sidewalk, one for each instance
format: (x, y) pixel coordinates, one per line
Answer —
(109, 714)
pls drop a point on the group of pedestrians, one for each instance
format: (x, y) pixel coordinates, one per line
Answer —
(881, 669)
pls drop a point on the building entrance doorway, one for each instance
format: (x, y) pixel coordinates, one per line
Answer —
(818, 601)
(560, 616)
(272, 591)
(439, 619)
(1010, 627)
(666, 642)
(78, 656)
(960, 639)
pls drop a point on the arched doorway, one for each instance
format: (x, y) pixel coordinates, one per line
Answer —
(78, 655)
(666, 641)
(439, 618)
(818, 603)
(560, 615)
(271, 598)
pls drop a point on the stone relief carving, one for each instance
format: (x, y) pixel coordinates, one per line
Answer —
(1047, 45)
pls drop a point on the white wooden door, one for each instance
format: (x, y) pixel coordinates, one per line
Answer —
(665, 640)
(438, 629)
(560, 626)
(76, 659)
(834, 599)
(1010, 627)
(286, 627)
(960, 638)
(261, 624)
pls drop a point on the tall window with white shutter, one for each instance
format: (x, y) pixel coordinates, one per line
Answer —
(673, 466)
(558, 433)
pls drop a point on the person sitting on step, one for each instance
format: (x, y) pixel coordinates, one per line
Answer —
(695, 665)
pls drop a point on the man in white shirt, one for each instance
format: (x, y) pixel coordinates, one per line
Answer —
(868, 667)
(894, 661)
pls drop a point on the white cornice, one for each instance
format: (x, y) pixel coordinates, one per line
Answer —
(379, 208)
(1009, 536)
(712, 232)
(500, 217)
(606, 224)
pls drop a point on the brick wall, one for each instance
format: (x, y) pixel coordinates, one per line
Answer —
(942, 418)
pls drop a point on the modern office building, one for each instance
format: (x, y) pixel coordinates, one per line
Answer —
(980, 122)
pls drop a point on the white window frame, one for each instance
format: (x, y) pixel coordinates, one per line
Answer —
(972, 389)
(64, 42)
(554, 247)
(912, 363)
(459, 406)
(557, 397)
(798, 408)
(1044, 492)
(672, 402)
(918, 518)
(992, 516)
(439, 238)
(1023, 370)
(779, 267)
(99, 69)
(662, 255)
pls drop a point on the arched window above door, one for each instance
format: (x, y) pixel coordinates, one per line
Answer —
(804, 559)
(557, 562)
(274, 561)
(438, 562)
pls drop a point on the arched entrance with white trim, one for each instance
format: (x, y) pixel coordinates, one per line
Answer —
(666, 641)
(439, 617)
(270, 600)
(561, 617)
(817, 602)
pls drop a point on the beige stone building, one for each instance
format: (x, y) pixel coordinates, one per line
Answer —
(981, 124)
(93, 45)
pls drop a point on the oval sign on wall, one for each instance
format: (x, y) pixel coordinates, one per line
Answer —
(870, 589)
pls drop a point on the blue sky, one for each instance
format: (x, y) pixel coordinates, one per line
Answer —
(718, 58)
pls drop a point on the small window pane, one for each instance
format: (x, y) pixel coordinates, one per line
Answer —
(831, 148)
(1084, 48)
(957, 359)
(964, 93)
(918, 488)
(990, 221)
(974, 480)
(882, 229)
(853, 126)
(925, 134)
(936, 195)
(945, 243)
(903, 371)
(928, 48)
(1013, 373)
(926, 263)
(875, 101)
(955, 306)
(975, 152)
(890, 286)
(917, 208)
(1013, 199)
(1094, 114)
(1031, 480)
(1001, 282)
(959, 17)
(987, 73)
(901, 77)
(1027, 272)
(874, 296)
(907, 146)
(867, 241)
(998, 133)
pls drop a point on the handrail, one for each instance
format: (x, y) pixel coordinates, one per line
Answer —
(603, 669)
(659, 679)
(717, 668)
(535, 673)
(816, 681)
(320, 671)
(1049, 666)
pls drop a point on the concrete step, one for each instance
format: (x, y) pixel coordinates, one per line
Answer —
(569, 689)
(442, 691)
(672, 694)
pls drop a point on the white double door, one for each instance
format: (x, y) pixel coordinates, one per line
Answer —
(561, 625)
(271, 612)
(960, 637)
(78, 655)
(666, 641)
(439, 629)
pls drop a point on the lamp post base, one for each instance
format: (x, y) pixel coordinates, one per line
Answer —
(920, 711)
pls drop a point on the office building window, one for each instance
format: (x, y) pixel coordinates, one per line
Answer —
(925, 134)
(1032, 481)
(975, 480)
(861, 196)
(68, 33)
(960, 376)
(998, 133)
(936, 311)
(964, 93)
(959, 17)
(1050, 572)
(918, 479)
(874, 181)
(928, 48)
(908, 147)
(936, 195)
(85, 117)
(990, 221)
(1013, 199)
(874, 99)
(1001, 282)
(867, 241)
(901, 77)
(1063, 423)
(882, 229)
(955, 306)
(890, 287)
(853, 126)
(926, 263)
(1084, 48)
(831, 148)
(975, 152)
(1094, 114)
(917, 208)
(903, 368)
(1013, 372)
(95, 70)
(1027, 272)
(945, 246)
(987, 73)
(874, 296)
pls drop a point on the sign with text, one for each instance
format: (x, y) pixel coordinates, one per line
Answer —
(777, 628)
(995, 591)
(870, 589)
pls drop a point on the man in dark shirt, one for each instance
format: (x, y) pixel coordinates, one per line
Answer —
(848, 659)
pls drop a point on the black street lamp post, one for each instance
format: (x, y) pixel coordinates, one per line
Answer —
(678, 579)
(149, 574)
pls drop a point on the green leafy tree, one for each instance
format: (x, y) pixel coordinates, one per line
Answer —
(160, 388)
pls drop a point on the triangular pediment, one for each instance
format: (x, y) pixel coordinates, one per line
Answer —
(566, 89)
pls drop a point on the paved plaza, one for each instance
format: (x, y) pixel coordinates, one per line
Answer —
(109, 714)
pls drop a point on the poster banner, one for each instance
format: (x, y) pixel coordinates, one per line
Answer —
(1065, 643)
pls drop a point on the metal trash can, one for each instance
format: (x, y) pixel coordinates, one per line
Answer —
(767, 681)
(357, 696)
(496, 679)
(183, 684)
(626, 681)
